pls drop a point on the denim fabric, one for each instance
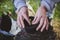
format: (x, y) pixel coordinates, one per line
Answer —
(19, 3)
(49, 4)
(5, 33)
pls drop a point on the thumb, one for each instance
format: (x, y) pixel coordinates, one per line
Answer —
(26, 18)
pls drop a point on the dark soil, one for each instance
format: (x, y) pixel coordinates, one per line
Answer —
(5, 23)
(4, 37)
(29, 33)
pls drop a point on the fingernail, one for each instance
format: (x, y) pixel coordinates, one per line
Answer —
(36, 29)
(46, 29)
(41, 30)
(33, 23)
(23, 26)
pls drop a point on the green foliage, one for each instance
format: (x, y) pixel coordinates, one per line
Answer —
(35, 4)
(57, 11)
(6, 5)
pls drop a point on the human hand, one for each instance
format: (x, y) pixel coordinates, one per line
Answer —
(21, 15)
(41, 18)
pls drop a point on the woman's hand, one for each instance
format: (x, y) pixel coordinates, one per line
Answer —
(41, 18)
(21, 15)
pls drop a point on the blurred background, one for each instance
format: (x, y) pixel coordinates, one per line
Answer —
(7, 6)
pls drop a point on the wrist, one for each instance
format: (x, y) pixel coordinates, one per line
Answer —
(43, 10)
(22, 9)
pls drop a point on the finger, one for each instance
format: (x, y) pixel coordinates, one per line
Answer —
(22, 23)
(41, 23)
(47, 25)
(18, 22)
(36, 21)
(43, 26)
(26, 18)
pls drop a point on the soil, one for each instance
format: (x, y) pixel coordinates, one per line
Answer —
(29, 33)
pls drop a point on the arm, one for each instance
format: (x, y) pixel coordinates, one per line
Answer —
(46, 6)
(22, 12)
(19, 4)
